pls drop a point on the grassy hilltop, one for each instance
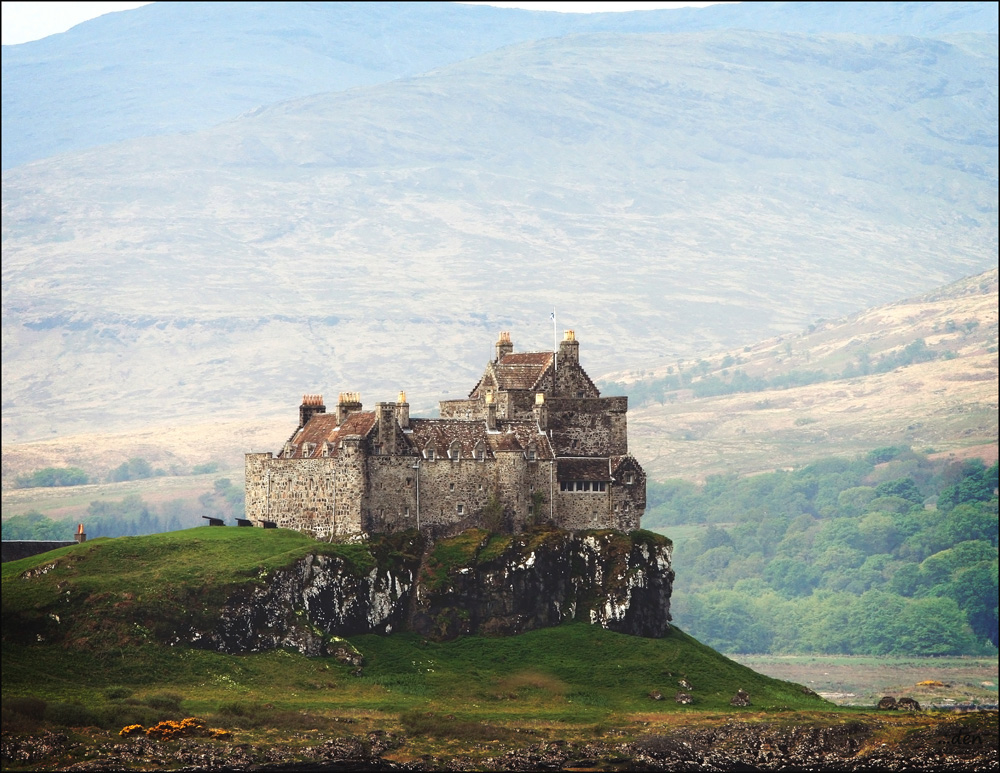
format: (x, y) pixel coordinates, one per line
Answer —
(82, 661)
(79, 634)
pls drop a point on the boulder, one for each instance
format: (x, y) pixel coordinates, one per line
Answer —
(741, 698)
(683, 698)
(887, 703)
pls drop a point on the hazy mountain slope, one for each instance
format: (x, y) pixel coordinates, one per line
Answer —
(948, 404)
(668, 194)
(170, 67)
(945, 403)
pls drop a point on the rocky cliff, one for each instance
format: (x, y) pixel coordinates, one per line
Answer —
(471, 583)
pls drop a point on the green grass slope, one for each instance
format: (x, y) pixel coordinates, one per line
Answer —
(80, 620)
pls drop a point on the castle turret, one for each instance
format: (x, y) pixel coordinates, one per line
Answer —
(347, 403)
(402, 411)
(311, 404)
(569, 348)
(504, 345)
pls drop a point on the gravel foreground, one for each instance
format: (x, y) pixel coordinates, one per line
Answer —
(952, 744)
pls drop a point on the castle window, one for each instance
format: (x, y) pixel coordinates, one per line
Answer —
(460, 509)
(579, 394)
(629, 479)
(406, 512)
(451, 487)
(531, 454)
(429, 453)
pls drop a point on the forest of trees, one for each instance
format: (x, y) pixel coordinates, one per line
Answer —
(889, 554)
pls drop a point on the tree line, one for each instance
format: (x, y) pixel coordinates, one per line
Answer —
(131, 516)
(135, 468)
(731, 381)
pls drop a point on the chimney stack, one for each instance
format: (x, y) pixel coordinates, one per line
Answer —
(491, 411)
(311, 404)
(402, 411)
(504, 345)
(347, 403)
(541, 411)
(569, 348)
(80, 537)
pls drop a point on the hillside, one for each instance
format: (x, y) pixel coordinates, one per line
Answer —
(167, 68)
(931, 383)
(561, 697)
(944, 405)
(665, 193)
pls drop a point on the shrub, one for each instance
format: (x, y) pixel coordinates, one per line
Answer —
(71, 715)
(164, 701)
(117, 693)
(29, 707)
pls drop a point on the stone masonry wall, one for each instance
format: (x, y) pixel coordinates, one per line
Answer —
(588, 427)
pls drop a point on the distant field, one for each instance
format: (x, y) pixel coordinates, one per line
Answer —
(72, 501)
(861, 681)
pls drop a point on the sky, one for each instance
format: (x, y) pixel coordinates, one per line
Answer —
(26, 21)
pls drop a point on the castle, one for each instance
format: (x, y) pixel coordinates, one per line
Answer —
(533, 443)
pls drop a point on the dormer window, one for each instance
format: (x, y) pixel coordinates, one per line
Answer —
(429, 454)
(480, 451)
(455, 451)
(531, 455)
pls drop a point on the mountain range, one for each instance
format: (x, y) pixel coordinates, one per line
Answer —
(671, 183)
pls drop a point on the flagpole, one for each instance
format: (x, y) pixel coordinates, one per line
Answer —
(555, 339)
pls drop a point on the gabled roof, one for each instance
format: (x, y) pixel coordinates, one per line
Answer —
(519, 370)
(322, 428)
(625, 462)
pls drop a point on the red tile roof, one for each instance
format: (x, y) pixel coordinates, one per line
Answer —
(322, 428)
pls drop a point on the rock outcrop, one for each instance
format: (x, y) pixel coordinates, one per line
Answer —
(472, 583)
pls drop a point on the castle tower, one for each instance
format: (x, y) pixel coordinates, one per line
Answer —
(504, 345)
(311, 404)
(347, 403)
(569, 348)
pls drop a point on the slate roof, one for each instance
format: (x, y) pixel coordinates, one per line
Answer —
(439, 434)
(580, 468)
(521, 370)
